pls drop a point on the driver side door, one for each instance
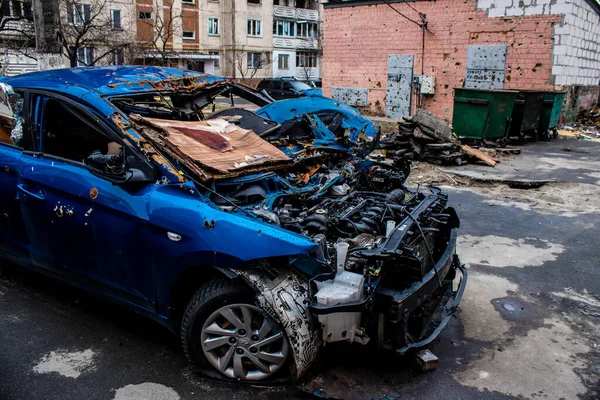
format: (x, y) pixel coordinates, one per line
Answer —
(80, 225)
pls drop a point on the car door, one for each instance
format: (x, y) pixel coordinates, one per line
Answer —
(288, 91)
(13, 237)
(81, 225)
(275, 90)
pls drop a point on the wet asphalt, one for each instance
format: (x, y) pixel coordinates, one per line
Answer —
(39, 316)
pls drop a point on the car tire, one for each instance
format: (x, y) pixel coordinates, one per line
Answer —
(224, 331)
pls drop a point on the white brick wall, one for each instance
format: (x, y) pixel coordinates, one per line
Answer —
(576, 40)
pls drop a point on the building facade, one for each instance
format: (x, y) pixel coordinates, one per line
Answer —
(373, 50)
(242, 39)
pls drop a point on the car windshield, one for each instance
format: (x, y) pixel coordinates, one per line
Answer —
(300, 86)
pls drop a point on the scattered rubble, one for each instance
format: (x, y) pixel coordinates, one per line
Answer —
(429, 138)
(587, 127)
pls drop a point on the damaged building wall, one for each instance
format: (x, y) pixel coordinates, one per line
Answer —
(359, 38)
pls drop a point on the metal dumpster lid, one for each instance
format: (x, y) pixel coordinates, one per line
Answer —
(488, 90)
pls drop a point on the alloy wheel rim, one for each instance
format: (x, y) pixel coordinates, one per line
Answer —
(242, 342)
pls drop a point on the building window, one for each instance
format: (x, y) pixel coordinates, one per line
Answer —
(85, 56)
(197, 66)
(283, 62)
(192, 2)
(281, 3)
(254, 27)
(216, 63)
(213, 26)
(306, 59)
(283, 28)
(254, 1)
(188, 35)
(118, 58)
(306, 29)
(254, 60)
(144, 15)
(115, 19)
(17, 9)
(78, 14)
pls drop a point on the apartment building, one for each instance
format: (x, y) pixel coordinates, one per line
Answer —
(245, 39)
(16, 38)
(242, 39)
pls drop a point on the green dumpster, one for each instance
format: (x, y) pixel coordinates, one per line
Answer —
(526, 114)
(551, 110)
(482, 114)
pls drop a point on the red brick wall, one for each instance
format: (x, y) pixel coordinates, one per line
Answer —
(357, 41)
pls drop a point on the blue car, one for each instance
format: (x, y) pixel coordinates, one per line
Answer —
(257, 237)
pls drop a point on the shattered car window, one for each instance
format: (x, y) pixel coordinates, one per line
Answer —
(11, 106)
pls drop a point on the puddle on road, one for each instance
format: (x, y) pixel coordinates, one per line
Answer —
(146, 391)
(68, 364)
(498, 251)
(480, 319)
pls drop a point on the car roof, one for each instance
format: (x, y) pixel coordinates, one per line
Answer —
(113, 80)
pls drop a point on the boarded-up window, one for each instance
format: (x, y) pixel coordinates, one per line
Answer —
(486, 66)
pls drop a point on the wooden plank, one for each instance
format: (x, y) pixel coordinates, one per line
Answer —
(480, 155)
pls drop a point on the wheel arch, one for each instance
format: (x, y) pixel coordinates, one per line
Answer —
(185, 285)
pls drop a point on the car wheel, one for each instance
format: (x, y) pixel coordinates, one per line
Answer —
(224, 329)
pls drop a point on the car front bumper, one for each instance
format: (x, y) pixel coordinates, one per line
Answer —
(432, 301)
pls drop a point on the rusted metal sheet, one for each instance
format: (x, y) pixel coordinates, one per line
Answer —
(213, 149)
(399, 84)
(486, 66)
(351, 96)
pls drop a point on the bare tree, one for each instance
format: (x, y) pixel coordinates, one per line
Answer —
(160, 25)
(90, 32)
(17, 33)
(248, 63)
(306, 73)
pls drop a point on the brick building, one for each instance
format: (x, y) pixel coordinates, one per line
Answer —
(374, 48)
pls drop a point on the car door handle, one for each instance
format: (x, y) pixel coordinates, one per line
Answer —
(39, 196)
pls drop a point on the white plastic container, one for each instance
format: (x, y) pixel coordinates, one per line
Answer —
(341, 249)
(344, 288)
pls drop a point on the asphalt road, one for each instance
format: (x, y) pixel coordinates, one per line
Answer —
(529, 325)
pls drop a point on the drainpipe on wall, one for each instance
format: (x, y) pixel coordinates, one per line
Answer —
(233, 46)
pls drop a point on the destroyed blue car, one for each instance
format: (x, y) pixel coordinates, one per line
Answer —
(257, 237)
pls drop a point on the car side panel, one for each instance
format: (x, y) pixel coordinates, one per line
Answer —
(13, 237)
(82, 225)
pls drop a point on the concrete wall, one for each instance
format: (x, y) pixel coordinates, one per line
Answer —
(576, 37)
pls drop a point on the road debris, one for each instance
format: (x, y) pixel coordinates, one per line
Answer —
(426, 360)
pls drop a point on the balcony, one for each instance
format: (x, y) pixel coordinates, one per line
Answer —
(296, 43)
(295, 13)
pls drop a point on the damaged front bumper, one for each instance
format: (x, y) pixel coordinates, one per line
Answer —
(418, 314)
(413, 317)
